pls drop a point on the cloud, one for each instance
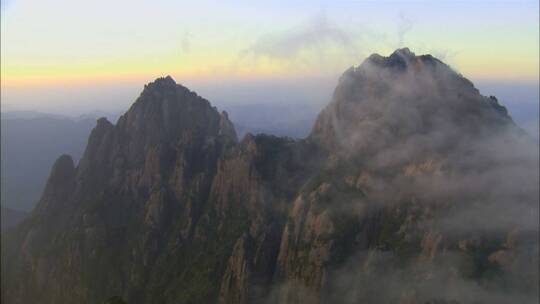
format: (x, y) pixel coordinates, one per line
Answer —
(328, 44)
(318, 35)
(363, 276)
(432, 118)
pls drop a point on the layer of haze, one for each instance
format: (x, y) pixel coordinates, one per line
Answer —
(75, 57)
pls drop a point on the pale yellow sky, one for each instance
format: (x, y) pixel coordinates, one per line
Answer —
(50, 45)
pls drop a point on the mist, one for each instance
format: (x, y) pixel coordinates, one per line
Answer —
(450, 172)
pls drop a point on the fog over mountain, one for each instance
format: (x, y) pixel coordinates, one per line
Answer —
(411, 187)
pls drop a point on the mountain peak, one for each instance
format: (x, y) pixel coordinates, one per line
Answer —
(103, 122)
(164, 87)
(400, 59)
(59, 184)
(165, 81)
(167, 106)
(403, 95)
(404, 52)
(165, 114)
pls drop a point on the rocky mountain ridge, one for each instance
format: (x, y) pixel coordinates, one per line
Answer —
(406, 183)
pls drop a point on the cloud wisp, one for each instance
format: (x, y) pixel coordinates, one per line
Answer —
(319, 37)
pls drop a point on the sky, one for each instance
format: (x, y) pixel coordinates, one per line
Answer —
(74, 56)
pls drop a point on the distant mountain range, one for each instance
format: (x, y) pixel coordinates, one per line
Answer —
(411, 187)
(30, 143)
(292, 120)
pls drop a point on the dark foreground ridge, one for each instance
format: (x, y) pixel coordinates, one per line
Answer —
(411, 188)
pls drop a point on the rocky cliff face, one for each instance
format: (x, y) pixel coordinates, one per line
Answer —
(411, 182)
